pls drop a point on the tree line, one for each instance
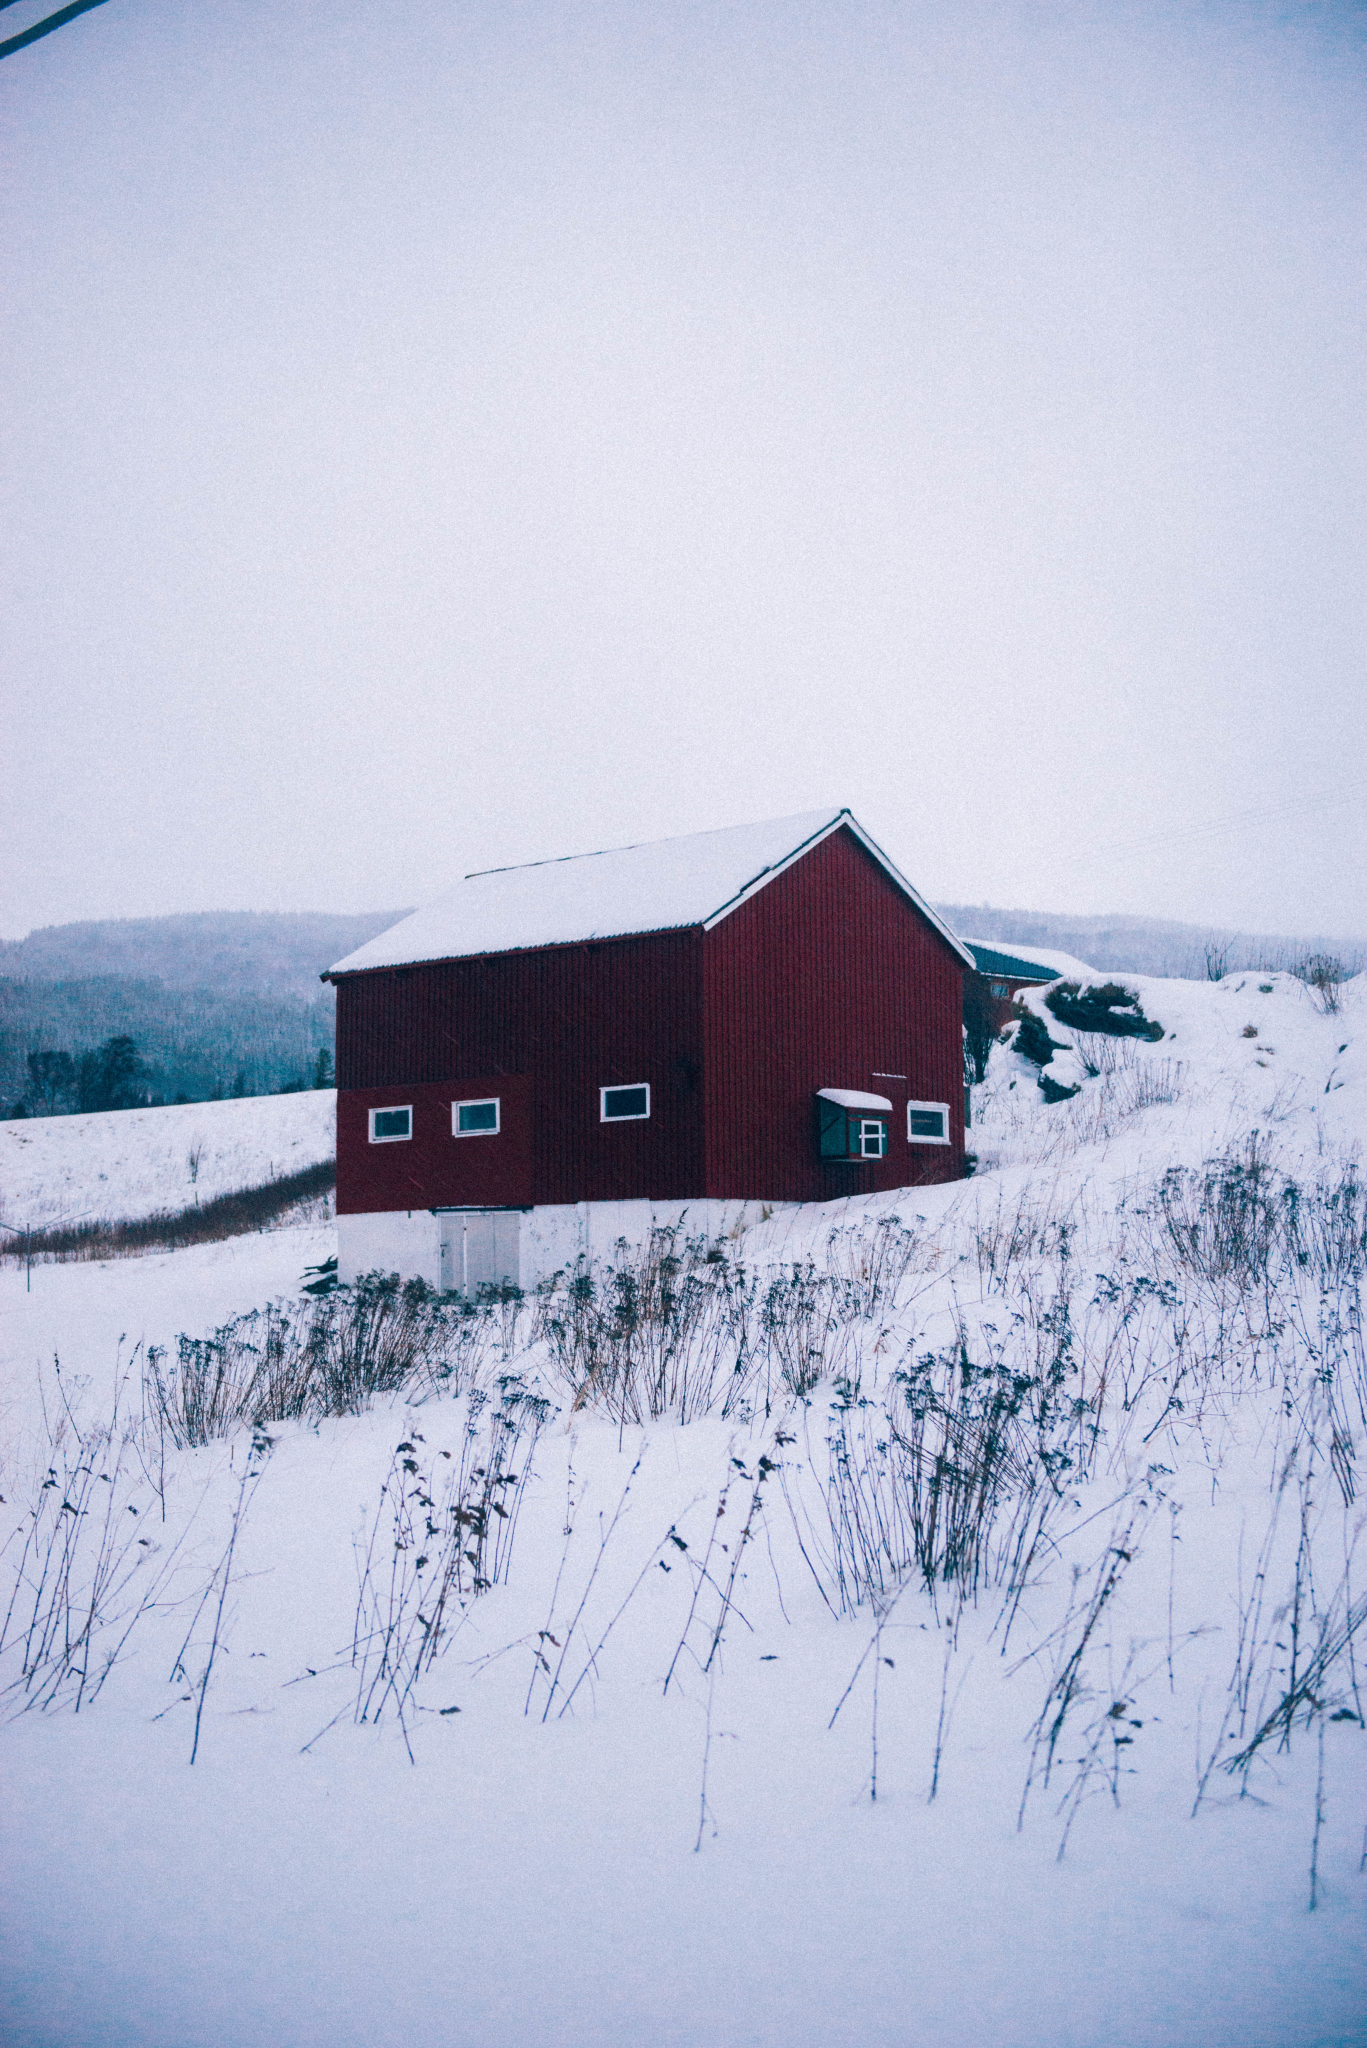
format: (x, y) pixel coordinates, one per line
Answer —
(115, 1075)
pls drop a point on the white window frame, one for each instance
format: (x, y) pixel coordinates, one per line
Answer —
(392, 1137)
(477, 1102)
(919, 1137)
(617, 1088)
(878, 1124)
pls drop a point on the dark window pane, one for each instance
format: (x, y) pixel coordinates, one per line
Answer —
(926, 1123)
(478, 1116)
(391, 1123)
(625, 1102)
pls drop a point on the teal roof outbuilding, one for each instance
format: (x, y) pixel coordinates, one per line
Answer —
(1010, 966)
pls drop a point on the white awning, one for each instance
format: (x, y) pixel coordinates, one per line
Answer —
(851, 1098)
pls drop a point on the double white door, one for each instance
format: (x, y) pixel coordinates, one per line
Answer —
(480, 1248)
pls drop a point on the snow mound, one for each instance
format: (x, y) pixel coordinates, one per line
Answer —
(1254, 1051)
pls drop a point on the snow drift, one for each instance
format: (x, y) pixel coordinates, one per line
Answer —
(932, 1619)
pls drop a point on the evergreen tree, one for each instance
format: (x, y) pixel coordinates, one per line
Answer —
(114, 1076)
(52, 1079)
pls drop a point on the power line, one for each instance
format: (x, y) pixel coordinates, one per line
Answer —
(1233, 821)
(46, 26)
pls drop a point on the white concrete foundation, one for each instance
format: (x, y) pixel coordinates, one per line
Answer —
(461, 1249)
(404, 1241)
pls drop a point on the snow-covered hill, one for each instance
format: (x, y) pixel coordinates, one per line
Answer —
(981, 1663)
(1249, 1052)
(129, 1163)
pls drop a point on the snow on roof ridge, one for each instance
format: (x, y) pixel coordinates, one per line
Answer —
(554, 860)
(655, 886)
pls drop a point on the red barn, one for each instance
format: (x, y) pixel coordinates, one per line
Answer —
(555, 1056)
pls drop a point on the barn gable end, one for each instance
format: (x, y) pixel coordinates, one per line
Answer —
(828, 978)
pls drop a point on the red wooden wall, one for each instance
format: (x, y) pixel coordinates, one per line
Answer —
(828, 978)
(564, 1020)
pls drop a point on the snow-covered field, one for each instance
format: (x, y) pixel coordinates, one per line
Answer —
(128, 1163)
(628, 1795)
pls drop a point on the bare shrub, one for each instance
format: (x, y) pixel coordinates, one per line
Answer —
(877, 1258)
(1227, 1220)
(806, 1328)
(980, 1028)
(1016, 1233)
(1327, 1225)
(679, 1327)
(256, 1208)
(438, 1541)
(1071, 1692)
(954, 1479)
(1151, 1084)
(1324, 975)
(1295, 1658)
(661, 1331)
(81, 1570)
(328, 1356)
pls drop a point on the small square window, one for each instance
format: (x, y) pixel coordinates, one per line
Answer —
(476, 1119)
(928, 1123)
(873, 1138)
(388, 1126)
(623, 1105)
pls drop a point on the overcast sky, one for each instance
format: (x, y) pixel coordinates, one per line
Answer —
(444, 435)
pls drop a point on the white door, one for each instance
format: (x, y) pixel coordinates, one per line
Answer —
(480, 1248)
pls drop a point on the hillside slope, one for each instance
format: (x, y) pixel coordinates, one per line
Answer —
(129, 1163)
(920, 1622)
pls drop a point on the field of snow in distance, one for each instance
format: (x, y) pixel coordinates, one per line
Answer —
(630, 1799)
(124, 1164)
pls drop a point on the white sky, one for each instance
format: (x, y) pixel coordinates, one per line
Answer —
(438, 436)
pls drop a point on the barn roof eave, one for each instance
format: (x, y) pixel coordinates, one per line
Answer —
(506, 952)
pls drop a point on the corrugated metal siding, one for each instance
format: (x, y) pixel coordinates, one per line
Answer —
(570, 1019)
(828, 978)
(434, 1169)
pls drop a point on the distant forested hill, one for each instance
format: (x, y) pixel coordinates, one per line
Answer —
(226, 1002)
(232, 950)
(217, 1003)
(1144, 945)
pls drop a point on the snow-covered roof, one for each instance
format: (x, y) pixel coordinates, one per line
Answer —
(1013, 966)
(854, 1098)
(661, 886)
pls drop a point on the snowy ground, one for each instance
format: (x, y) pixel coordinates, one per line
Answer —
(129, 1163)
(581, 1856)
